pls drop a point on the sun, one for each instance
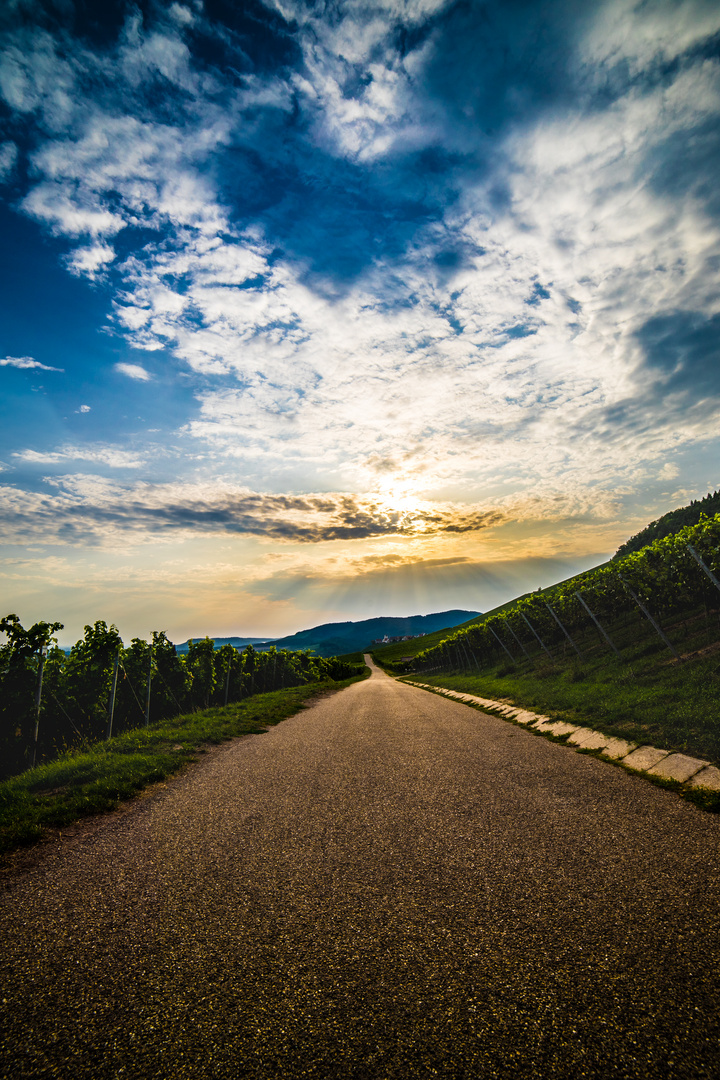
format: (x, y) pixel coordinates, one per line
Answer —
(398, 499)
(403, 504)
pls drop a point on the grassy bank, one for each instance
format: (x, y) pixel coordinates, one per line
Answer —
(352, 658)
(646, 698)
(98, 779)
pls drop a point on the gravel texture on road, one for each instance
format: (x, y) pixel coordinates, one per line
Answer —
(389, 884)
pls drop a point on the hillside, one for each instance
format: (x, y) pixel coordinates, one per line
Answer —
(671, 523)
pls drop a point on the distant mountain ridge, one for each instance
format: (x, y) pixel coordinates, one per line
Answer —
(335, 639)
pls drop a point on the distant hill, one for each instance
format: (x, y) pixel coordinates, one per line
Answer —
(336, 639)
(671, 523)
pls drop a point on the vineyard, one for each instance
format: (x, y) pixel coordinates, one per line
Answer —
(52, 701)
(666, 596)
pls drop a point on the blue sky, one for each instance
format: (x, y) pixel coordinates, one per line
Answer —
(317, 311)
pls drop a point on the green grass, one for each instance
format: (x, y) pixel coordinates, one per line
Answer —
(353, 658)
(646, 697)
(97, 780)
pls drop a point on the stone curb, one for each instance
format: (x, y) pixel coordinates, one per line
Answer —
(667, 764)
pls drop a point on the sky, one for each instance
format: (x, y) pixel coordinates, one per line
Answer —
(314, 311)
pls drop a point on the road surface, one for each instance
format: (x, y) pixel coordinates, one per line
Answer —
(387, 885)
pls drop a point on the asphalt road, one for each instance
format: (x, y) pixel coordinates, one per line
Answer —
(389, 884)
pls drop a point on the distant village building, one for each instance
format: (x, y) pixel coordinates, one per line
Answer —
(392, 640)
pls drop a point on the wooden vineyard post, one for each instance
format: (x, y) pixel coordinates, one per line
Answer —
(565, 632)
(527, 654)
(471, 653)
(38, 697)
(227, 680)
(111, 706)
(468, 654)
(534, 631)
(147, 694)
(597, 623)
(701, 563)
(649, 617)
(501, 643)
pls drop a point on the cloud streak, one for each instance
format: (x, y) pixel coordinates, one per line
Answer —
(26, 363)
(134, 371)
(102, 455)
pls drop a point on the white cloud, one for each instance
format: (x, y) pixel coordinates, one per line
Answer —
(101, 455)
(626, 31)
(134, 371)
(181, 14)
(71, 213)
(84, 409)
(90, 261)
(26, 363)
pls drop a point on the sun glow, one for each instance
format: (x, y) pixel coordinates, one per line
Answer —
(399, 496)
(415, 516)
(402, 504)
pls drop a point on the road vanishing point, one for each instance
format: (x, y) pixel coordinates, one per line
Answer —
(387, 885)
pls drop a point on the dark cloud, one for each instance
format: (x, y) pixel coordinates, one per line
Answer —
(678, 380)
(377, 562)
(76, 516)
(496, 63)
(682, 352)
(685, 166)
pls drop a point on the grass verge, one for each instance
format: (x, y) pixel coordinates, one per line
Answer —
(669, 704)
(95, 781)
